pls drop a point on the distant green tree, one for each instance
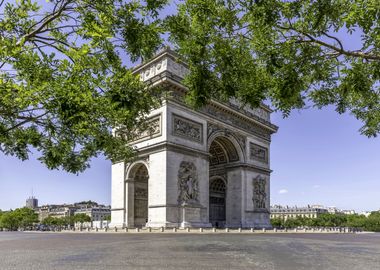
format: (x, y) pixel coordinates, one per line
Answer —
(49, 221)
(81, 218)
(108, 218)
(26, 217)
(89, 203)
(58, 221)
(373, 222)
(69, 220)
(370, 223)
(19, 218)
(9, 221)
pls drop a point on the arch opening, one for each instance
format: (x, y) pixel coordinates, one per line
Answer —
(217, 210)
(222, 151)
(140, 204)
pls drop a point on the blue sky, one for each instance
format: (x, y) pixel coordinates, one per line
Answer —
(317, 157)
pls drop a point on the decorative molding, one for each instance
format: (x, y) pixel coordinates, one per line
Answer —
(259, 193)
(188, 183)
(259, 112)
(231, 117)
(220, 171)
(258, 152)
(163, 63)
(212, 128)
(188, 129)
(234, 120)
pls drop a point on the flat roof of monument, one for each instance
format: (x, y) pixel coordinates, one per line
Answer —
(167, 51)
(162, 52)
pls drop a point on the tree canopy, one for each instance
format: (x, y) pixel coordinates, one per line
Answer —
(292, 53)
(19, 218)
(370, 223)
(65, 81)
(82, 218)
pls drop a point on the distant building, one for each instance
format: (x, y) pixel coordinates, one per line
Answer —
(31, 203)
(333, 210)
(285, 212)
(58, 211)
(348, 212)
(99, 213)
(95, 211)
(365, 213)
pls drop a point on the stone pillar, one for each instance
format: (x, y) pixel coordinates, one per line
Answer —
(118, 194)
(234, 198)
(130, 203)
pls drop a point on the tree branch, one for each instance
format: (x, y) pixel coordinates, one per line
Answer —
(27, 120)
(339, 49)
(45, 23)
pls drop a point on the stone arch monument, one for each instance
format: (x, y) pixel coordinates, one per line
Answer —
(197, 168)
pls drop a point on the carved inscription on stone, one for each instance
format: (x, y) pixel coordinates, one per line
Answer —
(187, 128)
(258, 152)
(259, 193)
(187, 183)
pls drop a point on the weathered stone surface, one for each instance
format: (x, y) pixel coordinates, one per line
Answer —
(186, 151)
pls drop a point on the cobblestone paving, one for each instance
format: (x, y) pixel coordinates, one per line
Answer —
(109, 251)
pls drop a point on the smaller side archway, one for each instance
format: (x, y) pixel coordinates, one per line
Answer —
(138, 177)
(217, 202)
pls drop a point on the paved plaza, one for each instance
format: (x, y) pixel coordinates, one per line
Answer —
(188, 251)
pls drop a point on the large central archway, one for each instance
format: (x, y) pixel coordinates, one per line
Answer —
(222, 152)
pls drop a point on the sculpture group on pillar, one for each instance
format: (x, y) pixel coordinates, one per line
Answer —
(188, 183)
(259, 193)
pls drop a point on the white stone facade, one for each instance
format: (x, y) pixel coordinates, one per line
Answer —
(198, 168)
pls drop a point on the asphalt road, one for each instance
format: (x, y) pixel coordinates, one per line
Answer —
(188, 251)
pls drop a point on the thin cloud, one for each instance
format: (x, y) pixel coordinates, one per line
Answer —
(316, 186)
(283, 191)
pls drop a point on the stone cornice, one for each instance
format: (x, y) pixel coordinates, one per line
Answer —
(162, 146)
(166, 67)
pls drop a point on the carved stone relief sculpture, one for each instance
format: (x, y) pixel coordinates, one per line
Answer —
(187, 128)
(258, 153)
(259, 193)
(188, 183)
(150, 130)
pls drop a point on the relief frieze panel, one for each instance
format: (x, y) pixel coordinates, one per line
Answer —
(258, 152)
(188, 129)
(232, 118)
(259, 193)
(150, 130)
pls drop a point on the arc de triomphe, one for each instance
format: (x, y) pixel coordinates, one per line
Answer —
(197, 168)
